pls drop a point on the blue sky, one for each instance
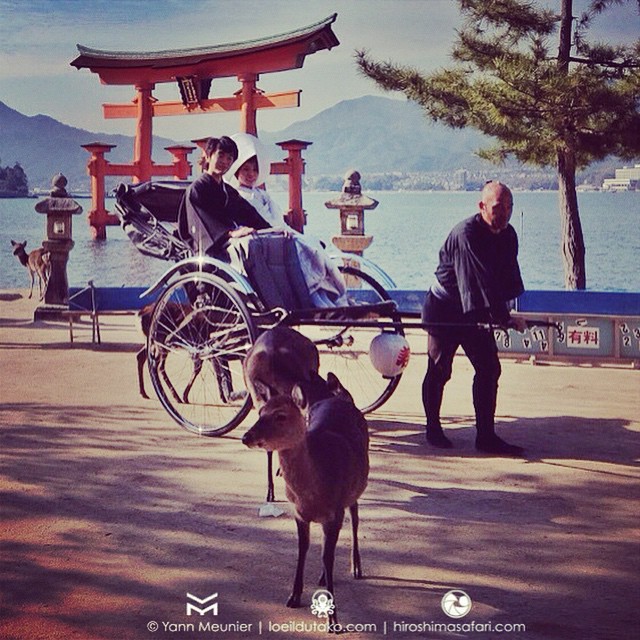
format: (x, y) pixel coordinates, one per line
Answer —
(38, 41)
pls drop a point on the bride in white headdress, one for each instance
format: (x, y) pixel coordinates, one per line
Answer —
(245, 175)
(326, 285)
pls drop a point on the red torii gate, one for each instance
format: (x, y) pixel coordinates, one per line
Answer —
(193, 70)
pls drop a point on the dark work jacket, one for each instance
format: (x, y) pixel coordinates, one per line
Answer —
(478, 270)
(209, 210)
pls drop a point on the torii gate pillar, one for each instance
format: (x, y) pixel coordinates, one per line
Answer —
(248, 110)
(293, 166)
(144, 133)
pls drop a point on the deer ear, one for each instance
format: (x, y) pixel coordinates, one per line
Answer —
(336, 387)
(333, 382)
(299, 397)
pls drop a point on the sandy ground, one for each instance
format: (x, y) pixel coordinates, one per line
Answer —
(111, 514)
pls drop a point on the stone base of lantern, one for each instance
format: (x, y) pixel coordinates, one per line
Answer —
(51, 312)
(352, 244)
(58, 287)
(355, 245)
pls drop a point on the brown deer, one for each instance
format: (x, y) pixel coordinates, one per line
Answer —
(280, 359)
(38, 263)
(323, 452)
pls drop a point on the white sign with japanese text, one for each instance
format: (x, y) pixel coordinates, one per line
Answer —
(583, 337)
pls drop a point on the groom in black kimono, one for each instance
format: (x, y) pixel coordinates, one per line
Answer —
(212, 212)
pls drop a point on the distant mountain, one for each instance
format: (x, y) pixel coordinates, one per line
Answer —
(43, 147)
(376, 134)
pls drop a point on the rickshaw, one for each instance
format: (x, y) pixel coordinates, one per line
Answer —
(207, 314)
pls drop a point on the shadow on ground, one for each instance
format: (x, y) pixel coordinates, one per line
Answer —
(111, 518)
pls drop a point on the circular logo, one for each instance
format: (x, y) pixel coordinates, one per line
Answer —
(322, 603)
(456, 603)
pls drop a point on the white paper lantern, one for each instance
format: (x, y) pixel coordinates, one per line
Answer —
(389, 354)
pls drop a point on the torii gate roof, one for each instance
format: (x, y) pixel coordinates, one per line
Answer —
(263, 55)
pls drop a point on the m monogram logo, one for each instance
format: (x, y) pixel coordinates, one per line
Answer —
(212, 607)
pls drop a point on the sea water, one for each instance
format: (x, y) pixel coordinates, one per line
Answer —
(408, 229)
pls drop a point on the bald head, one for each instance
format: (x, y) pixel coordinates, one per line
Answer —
(496, 205)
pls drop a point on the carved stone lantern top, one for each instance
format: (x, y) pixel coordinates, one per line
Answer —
(351, 196)
(59, 186)
(58, 201)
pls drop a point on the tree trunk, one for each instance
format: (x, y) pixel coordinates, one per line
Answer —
(573, 251)
(564, 48)
(572, 239)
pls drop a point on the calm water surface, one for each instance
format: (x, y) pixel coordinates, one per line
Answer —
(408, 229)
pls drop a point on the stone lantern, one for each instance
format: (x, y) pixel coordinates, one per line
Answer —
(352, 205)
(59, 208)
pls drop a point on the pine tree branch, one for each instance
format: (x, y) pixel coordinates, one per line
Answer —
(606, 63)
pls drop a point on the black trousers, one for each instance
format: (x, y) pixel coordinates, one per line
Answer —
(479, 346)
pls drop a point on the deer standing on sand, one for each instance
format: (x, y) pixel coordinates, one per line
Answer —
(38, 263)
(280, 359)
(323, 452)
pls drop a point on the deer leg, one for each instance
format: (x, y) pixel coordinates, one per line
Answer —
(356, 565)
(45, 282)
(223, 374)
(303, 546)
(32, 276)
(328, 528)
(197, 368)
(141, 357)
(165, 377)
(270, 487)
(331, 533)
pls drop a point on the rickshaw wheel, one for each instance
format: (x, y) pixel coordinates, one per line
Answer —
(345, 351)
(199, 335)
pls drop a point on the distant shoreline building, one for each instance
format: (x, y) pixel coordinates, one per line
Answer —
(627, 179)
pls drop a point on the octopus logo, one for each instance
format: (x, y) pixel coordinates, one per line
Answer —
(322, 603)
(456, 604)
